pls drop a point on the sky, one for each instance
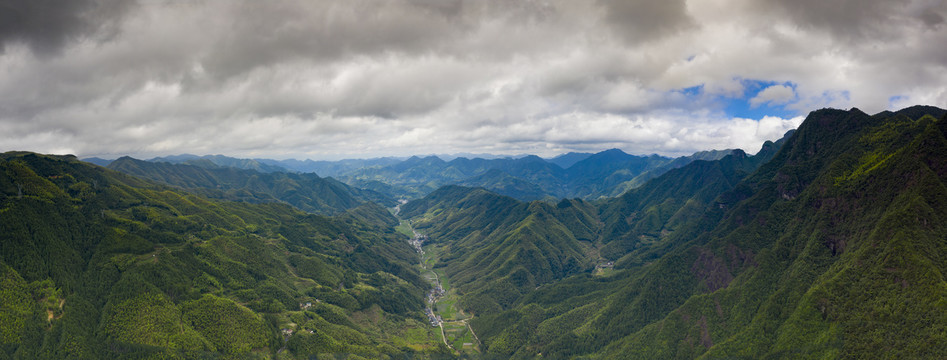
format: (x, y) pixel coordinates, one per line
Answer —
(367, 78)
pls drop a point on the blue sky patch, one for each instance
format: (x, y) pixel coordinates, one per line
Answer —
(741, 107)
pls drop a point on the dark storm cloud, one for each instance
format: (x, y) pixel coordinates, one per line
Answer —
(858, 20)
(45, 25)
(266, 33)
(258, 34)
(644, 20)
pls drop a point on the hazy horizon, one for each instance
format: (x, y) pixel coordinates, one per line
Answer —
(442, 156)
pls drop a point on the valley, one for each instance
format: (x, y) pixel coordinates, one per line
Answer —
(468, 179)
(826, 243)
(442, 309)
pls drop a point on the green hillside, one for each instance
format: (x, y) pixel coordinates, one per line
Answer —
(498, 249)
(98, 264)
(219, 161)
(598, 175)
(834, 248)
(308, 192)
(639, 222)
(829, 243)
(505, 184)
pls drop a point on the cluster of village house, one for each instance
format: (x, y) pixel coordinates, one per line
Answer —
(307, 305)
(436, 292)
(607, 265)
(302, 306)
(432, 317)
(289, 332)
(418, 241)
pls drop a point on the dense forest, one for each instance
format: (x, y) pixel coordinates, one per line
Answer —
(827, 243)
(305, 191)
(834, 247)
(98, 264)
(589, 176)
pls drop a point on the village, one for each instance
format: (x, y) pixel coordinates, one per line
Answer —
(455, 330)
(437, 291)
(432, 298)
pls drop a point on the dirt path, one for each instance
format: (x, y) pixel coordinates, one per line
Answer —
(444, 337)
(472, 333)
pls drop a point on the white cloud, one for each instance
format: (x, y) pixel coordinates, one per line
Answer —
(774, 95)
(331, 79)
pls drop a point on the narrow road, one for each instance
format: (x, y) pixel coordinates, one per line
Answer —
(437, 280)
(472, 333)
(444, 336)
(437, 292)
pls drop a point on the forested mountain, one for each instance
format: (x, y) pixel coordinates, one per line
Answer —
(98, 161)
(834, 248)
(219, 161)
(596, 175)
(645, 176)
(827, 243)
(500, 249)
(638, 221)
(306, 191)
(502, 183)
(606, 174)
(417, 176)
(566, 160)
(98, 264)
(330, 168)
(609, 173)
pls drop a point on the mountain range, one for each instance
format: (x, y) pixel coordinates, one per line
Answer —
(834, 247)
(99, 264)
(306, 191)
(827, 243)
(605, 174)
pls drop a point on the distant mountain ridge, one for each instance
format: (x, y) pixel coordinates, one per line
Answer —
(605, 174)
(568, 159)
(216, 161)
(308, 192)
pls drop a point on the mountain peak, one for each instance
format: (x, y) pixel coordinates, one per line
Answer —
(612, 152)
(566, 160)
(918, 111)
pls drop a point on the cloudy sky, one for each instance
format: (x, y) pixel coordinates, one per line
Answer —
(365, 78)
